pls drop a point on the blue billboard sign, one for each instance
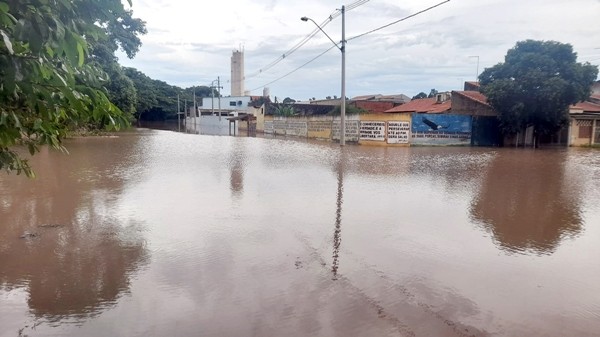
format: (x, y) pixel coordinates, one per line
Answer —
(441, 129)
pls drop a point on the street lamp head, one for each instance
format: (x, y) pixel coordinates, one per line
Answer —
(304, 18)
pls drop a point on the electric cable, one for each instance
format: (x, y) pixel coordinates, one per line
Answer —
(293, 71)
(397, 21)
(307, 38)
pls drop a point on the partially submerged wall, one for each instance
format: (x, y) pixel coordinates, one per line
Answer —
(385, 129)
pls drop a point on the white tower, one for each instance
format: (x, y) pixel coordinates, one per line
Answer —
(237, 73)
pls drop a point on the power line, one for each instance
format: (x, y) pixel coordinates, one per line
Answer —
(397, 21)
(307, 38)
(293, 71)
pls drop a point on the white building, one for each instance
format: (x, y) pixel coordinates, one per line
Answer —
(227, 105)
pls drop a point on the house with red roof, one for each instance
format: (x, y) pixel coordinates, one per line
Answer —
(432, 122)
(584, 126)
(485, 124)
(434, 105)
(378, 103)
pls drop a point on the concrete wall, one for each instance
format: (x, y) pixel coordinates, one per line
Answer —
(464, 106)
(319, 127)
(522, 139)
(212, 125)
(352, 128)
(387, 129)
(259, 113)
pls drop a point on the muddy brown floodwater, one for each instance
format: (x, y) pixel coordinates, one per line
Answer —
(158, 233)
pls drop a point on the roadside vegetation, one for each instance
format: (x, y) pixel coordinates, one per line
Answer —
(535, 86)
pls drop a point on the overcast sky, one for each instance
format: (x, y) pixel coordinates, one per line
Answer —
(190, 42)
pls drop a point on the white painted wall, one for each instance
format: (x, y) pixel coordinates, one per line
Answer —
(240, 103)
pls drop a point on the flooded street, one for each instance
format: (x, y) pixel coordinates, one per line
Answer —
(158, 233)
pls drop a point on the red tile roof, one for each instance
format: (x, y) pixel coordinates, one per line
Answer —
(428, 105)
(473, 95)
(586, 107)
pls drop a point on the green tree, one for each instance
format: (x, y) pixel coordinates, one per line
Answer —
(432, 93)
(420, 95)
(47, 84)
(288, 100)
(157, 100)
(284, 110)
(536, 84)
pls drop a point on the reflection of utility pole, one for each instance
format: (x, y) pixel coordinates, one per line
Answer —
(337, 238)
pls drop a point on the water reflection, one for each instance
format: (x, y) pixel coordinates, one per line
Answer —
(337, 233)
(237, 158)
(527, 203)
(60, 236)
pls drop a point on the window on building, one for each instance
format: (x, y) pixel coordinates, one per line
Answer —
(585, 131)
(585, 128)
(232, 103)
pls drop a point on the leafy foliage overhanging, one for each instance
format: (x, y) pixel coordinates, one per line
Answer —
(48, 82)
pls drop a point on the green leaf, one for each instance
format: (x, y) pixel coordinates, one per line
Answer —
(7, 42)
(80, 52)
(4, 7)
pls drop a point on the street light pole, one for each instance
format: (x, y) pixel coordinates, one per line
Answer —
(343, 103)
(343, 50)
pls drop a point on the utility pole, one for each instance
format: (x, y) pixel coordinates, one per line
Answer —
(195, 107)
(219, 87)
(343, 106)
(342, 48)
(212, 98)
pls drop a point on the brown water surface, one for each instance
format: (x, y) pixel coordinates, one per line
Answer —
(157, 233)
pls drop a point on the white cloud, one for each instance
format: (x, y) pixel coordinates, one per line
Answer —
(190, 42)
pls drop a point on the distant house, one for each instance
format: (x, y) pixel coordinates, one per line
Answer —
(327, 101)
(486, 125)
(396, 99)
(472, 86)
(434, 105)
(584, 124)
(432, 122)
(583, 130)
(378, 103)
